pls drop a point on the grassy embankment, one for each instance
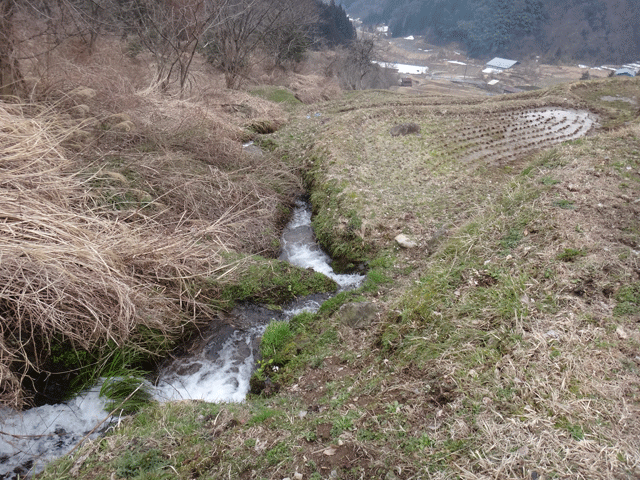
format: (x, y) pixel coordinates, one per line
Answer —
(505, 343)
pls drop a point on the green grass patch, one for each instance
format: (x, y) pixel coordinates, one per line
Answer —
(275, 339)
(139, 464)
(549, 181)
(278, 454)
(302, 321)
(570, 254)
(574, 429)
(628, 298)
(564, 204)
(262, 416)
(127, 393)
(551, 159)
(277, 95)
(511, 239)
(272, 282)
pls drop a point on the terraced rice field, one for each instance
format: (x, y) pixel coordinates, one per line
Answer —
(508, 135)
(455, 139)
(419, 182)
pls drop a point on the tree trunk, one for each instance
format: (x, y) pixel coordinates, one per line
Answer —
(10, 77)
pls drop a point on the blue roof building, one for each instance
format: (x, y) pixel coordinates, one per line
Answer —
(626, 71)
(501, 63)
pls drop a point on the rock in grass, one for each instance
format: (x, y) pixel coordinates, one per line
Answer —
(405, 242)
(405, 129)
(358, 315)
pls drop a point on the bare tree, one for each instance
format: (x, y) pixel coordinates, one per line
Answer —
(356, 62)
(171, 30)
(32, 28)
(10, 76)
(275, 26)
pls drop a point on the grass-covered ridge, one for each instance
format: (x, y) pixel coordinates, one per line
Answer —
(505, 343)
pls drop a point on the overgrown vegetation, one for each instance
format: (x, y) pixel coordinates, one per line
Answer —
(103, 256)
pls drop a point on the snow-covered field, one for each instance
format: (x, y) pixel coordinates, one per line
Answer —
(405, 69)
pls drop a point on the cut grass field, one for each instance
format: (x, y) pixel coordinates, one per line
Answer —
(505, 345)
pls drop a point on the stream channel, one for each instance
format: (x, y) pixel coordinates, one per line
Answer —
(217, 368)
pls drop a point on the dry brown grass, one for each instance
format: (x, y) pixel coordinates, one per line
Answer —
(117, 199)
(72, 274)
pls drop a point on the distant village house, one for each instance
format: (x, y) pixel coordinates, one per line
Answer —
(626, 72)
(499, 65)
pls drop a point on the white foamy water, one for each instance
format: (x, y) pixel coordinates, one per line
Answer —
(225, 379)
(30, 439)
(300, 248)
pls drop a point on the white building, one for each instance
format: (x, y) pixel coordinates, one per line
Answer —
(499, 65)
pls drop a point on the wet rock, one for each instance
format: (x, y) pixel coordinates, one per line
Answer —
(265, 387)
(256, 385)
(233, 382)
(243, 351)
(405, 242)
(358, 315)
(189, 369)
(218, 338)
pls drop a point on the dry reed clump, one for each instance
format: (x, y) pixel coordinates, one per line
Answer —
(194, 194)
(71, 276)
(112, 75)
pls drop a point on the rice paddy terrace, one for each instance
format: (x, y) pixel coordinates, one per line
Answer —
(386, 178)
(500, 137)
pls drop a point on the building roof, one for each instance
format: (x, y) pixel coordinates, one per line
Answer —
(502, 63)
(626, 71)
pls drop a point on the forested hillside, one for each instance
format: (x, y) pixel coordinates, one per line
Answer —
(560, 30)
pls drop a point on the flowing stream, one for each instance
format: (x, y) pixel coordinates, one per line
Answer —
(216, 368)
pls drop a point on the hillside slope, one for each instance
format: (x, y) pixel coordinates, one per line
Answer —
(559, 30)
(504, 344)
